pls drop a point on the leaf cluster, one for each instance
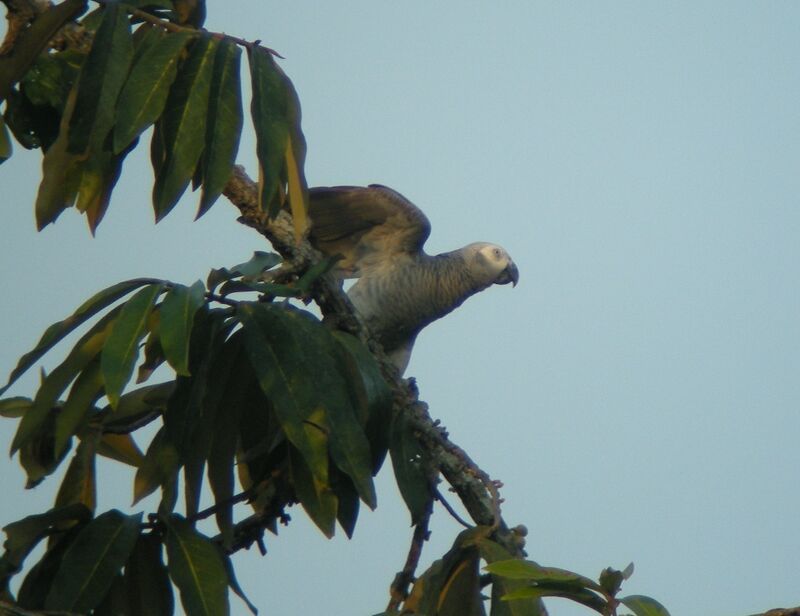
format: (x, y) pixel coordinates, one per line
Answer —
(263, 392)
(86, 107)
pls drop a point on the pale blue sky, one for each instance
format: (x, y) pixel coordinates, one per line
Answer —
(638, 392)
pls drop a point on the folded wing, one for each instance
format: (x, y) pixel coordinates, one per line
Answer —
(369, 227)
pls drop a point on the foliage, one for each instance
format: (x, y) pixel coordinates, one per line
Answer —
(258, 391)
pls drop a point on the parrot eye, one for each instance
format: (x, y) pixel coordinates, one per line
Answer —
(497, 253)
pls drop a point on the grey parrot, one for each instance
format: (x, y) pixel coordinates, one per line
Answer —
(378, 235)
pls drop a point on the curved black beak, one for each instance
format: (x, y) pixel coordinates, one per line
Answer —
(510, 274)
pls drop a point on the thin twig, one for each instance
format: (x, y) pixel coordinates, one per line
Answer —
(450, 509)
(172, 27)
(399, 589)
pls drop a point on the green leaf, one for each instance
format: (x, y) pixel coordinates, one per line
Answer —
(527, 570)
(348, 503)
(158, 469)
(100, 81)
(371, 394)
(53, 385)
(100, 172)
(86, 390)
(187, 419)
(450, 585)
(80, 481)
(573, 593)
(5, 142)
(135, 406)
(37, 583)
(147, 581)
(175, 328)
(294, 358)
(115, 602)
(24, 535)
(145, 92)
(122, 348)
(196, 568)
(492, 552)
(38, 456)
(411, 468)
(280, 364)
(122, 448)
(183, 125)
(234, 584)
(15, 407)
(57, 331)
(297, 187)
(224, 123)
(259, 263)
(644, 606)
(226, 390)
(98, 553)
(61, 173)
(316, 497)
(270, 112)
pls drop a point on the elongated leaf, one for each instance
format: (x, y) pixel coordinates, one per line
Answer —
(347, 442)
(449, 585)
(527, 570)
(80, 482)
(573, 593)
(122, 348)
(183, 125)
(187, 423)
(25, 534)
(136, 406)
(316, 497)
(38, 456)
(226, 390)
(99, 551)
(280, 364)
(15, 407)
(411, 468)
(270, 112)
(57, 331)
(61, 173)
(177, 314)
(144, 95)
(234, 584)
(259, 263)
(224, 123)
(371, 394)
(37, 584)
(122, 448)
(147, 581)
(196, 568)
(644, 606)
(158, 469)
(6, 148)
(101, 79)
(491, 552)
(86, 390)
(347, 502)
(297, 368)
(100, 173)
(298, 191)
(85, 350)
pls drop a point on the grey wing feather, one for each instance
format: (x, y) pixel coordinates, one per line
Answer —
(368, 226)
